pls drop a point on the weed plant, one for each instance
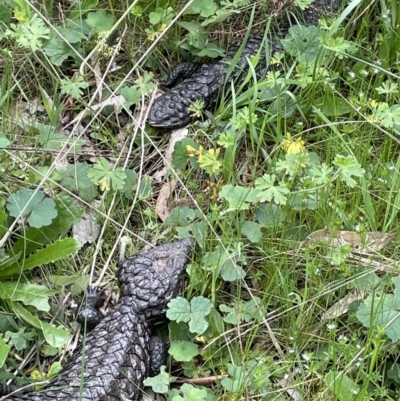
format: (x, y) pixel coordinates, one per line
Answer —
(290, 189)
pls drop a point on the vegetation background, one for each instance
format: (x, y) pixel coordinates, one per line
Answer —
(290, 188)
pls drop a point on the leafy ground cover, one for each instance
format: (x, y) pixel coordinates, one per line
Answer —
(290, 189)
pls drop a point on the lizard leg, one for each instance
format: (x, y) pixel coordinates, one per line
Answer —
(158, 354)
(89, 312)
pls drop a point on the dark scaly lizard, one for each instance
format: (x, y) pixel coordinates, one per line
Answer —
(119, 353)
(205, 82)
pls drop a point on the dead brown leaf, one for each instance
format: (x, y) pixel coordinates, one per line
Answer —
(370, 242)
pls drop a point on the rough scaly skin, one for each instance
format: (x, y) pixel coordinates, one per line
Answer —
(206, 82)
(117, 352)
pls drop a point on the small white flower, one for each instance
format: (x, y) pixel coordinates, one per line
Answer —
(391, 167)
(357, 227)
(306, 357)
(379, 62)
(352, 74)
(342, 338)
(354, 391)
(365, 72)
(291, 351)
(291, 338)
(331, 326)
(358, 346)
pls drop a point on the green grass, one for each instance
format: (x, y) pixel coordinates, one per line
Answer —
(291, 314)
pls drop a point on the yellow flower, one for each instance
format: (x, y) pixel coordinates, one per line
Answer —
(191, 151)
(293, 146)
(374, 103)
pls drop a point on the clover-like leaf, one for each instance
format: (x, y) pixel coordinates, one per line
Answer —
(39, 211)
(102, 174)
(239, 198)
(268, 190)
(160, 383)
(349, 167)
(194, 313)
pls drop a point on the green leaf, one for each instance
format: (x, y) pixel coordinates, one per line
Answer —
(77, 177)
(71, 35)
(48, 138)
(322, 175)
(68, 214)
(243, 311)
(4, 142)
(58, 51)
(100, 21)
(203, 7)
(5, 16)
(239, 198)
(4, 350)
(339, 45)
(48, 350)
(73, 88)
(194, 313)
(302, 42)
(31, 34)
(55, 369)
(55, 336)
(160, 383)
(41, 211)
(53, 252)
(19, 339)
(145, 83)
(82, 7)
(27, 293)
(388, 116)
(234, 383)
(131, 95)
(180, 155)
(252, 231)
(225, 262)
(181, 216)
(349, 167)
(211, 50)
(332, 106)
(196, 36)
(25, 315)
(342, 386)
(161, 15)
(269, 215)
(379, 311)
(102, 175)
(394, 373)
(183, 351)
(268, 190)
(191, 393)
(302, 4)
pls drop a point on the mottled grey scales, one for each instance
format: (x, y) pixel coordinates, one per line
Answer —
(203, 82)
(119, 353)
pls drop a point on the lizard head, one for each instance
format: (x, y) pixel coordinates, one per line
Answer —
(150, 279)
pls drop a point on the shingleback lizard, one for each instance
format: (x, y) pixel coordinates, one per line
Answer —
(203, 82)
(119, 353)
